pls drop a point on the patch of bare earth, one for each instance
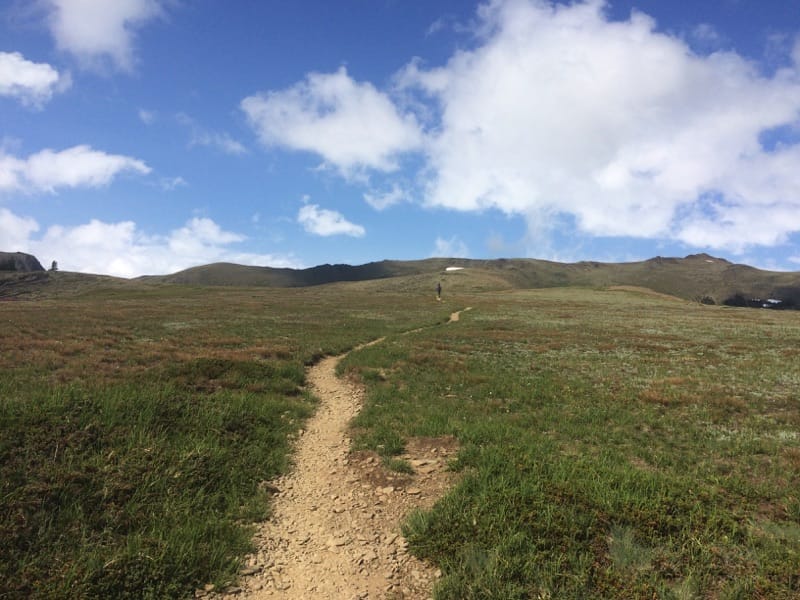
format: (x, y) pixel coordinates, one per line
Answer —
(457, 315)
(335, 528)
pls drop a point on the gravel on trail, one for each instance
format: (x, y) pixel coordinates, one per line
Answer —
(335, 531)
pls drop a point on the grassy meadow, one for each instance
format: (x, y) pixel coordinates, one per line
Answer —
(136, 424)
(614, 444)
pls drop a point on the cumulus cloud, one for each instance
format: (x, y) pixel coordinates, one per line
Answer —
(32, 84)
(198, 234)
(123, 250)
(15, 231)
(557, 110)
(98, 31)
(556, 113)
(79, 166)
(324, 222)
(350, 124)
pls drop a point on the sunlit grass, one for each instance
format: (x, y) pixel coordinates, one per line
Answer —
(136, 425)
(613, 446)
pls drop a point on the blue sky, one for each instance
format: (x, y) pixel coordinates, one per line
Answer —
(148, 136)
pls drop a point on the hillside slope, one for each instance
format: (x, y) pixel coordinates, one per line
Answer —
(694, 277)
(698, 277)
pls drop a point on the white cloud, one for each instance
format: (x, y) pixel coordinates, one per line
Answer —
(121, 249)
(324, 222)
(351, 125)
(200, 233)
(32, 84)
(15, 231)
(559, 111)
(452, 248)
(383, 200)
(79, 166)
(96, 30)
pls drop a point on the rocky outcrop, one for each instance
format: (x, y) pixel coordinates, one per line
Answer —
(19, 262)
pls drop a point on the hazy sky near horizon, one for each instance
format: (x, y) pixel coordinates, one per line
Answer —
(148, 136)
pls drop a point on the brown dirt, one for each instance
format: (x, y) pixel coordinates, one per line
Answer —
(457, 315)
(335, 528)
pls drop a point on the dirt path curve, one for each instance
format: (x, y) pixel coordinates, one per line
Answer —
(335, 529)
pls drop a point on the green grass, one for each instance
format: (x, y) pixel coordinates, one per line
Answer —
(137, 423)
(613, 446)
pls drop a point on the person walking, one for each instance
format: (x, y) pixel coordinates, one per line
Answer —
(439, 291)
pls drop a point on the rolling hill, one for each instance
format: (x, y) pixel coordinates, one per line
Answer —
(698, 277)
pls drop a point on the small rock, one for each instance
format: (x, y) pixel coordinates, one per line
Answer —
(369, 556)
(336, 541)
(413, 491)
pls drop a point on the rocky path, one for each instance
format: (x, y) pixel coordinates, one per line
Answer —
(335, 529)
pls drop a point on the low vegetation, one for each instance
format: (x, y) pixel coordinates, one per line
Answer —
(137, 423)
(614, 444)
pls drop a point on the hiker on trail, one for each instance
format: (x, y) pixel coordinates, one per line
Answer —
(439, 291)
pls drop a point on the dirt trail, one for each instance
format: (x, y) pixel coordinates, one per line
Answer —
(335, 529)
(457, 315)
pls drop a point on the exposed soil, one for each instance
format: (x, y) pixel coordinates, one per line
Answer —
(335, 528)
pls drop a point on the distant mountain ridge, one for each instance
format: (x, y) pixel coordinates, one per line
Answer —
(699, 277)
(234, 274)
